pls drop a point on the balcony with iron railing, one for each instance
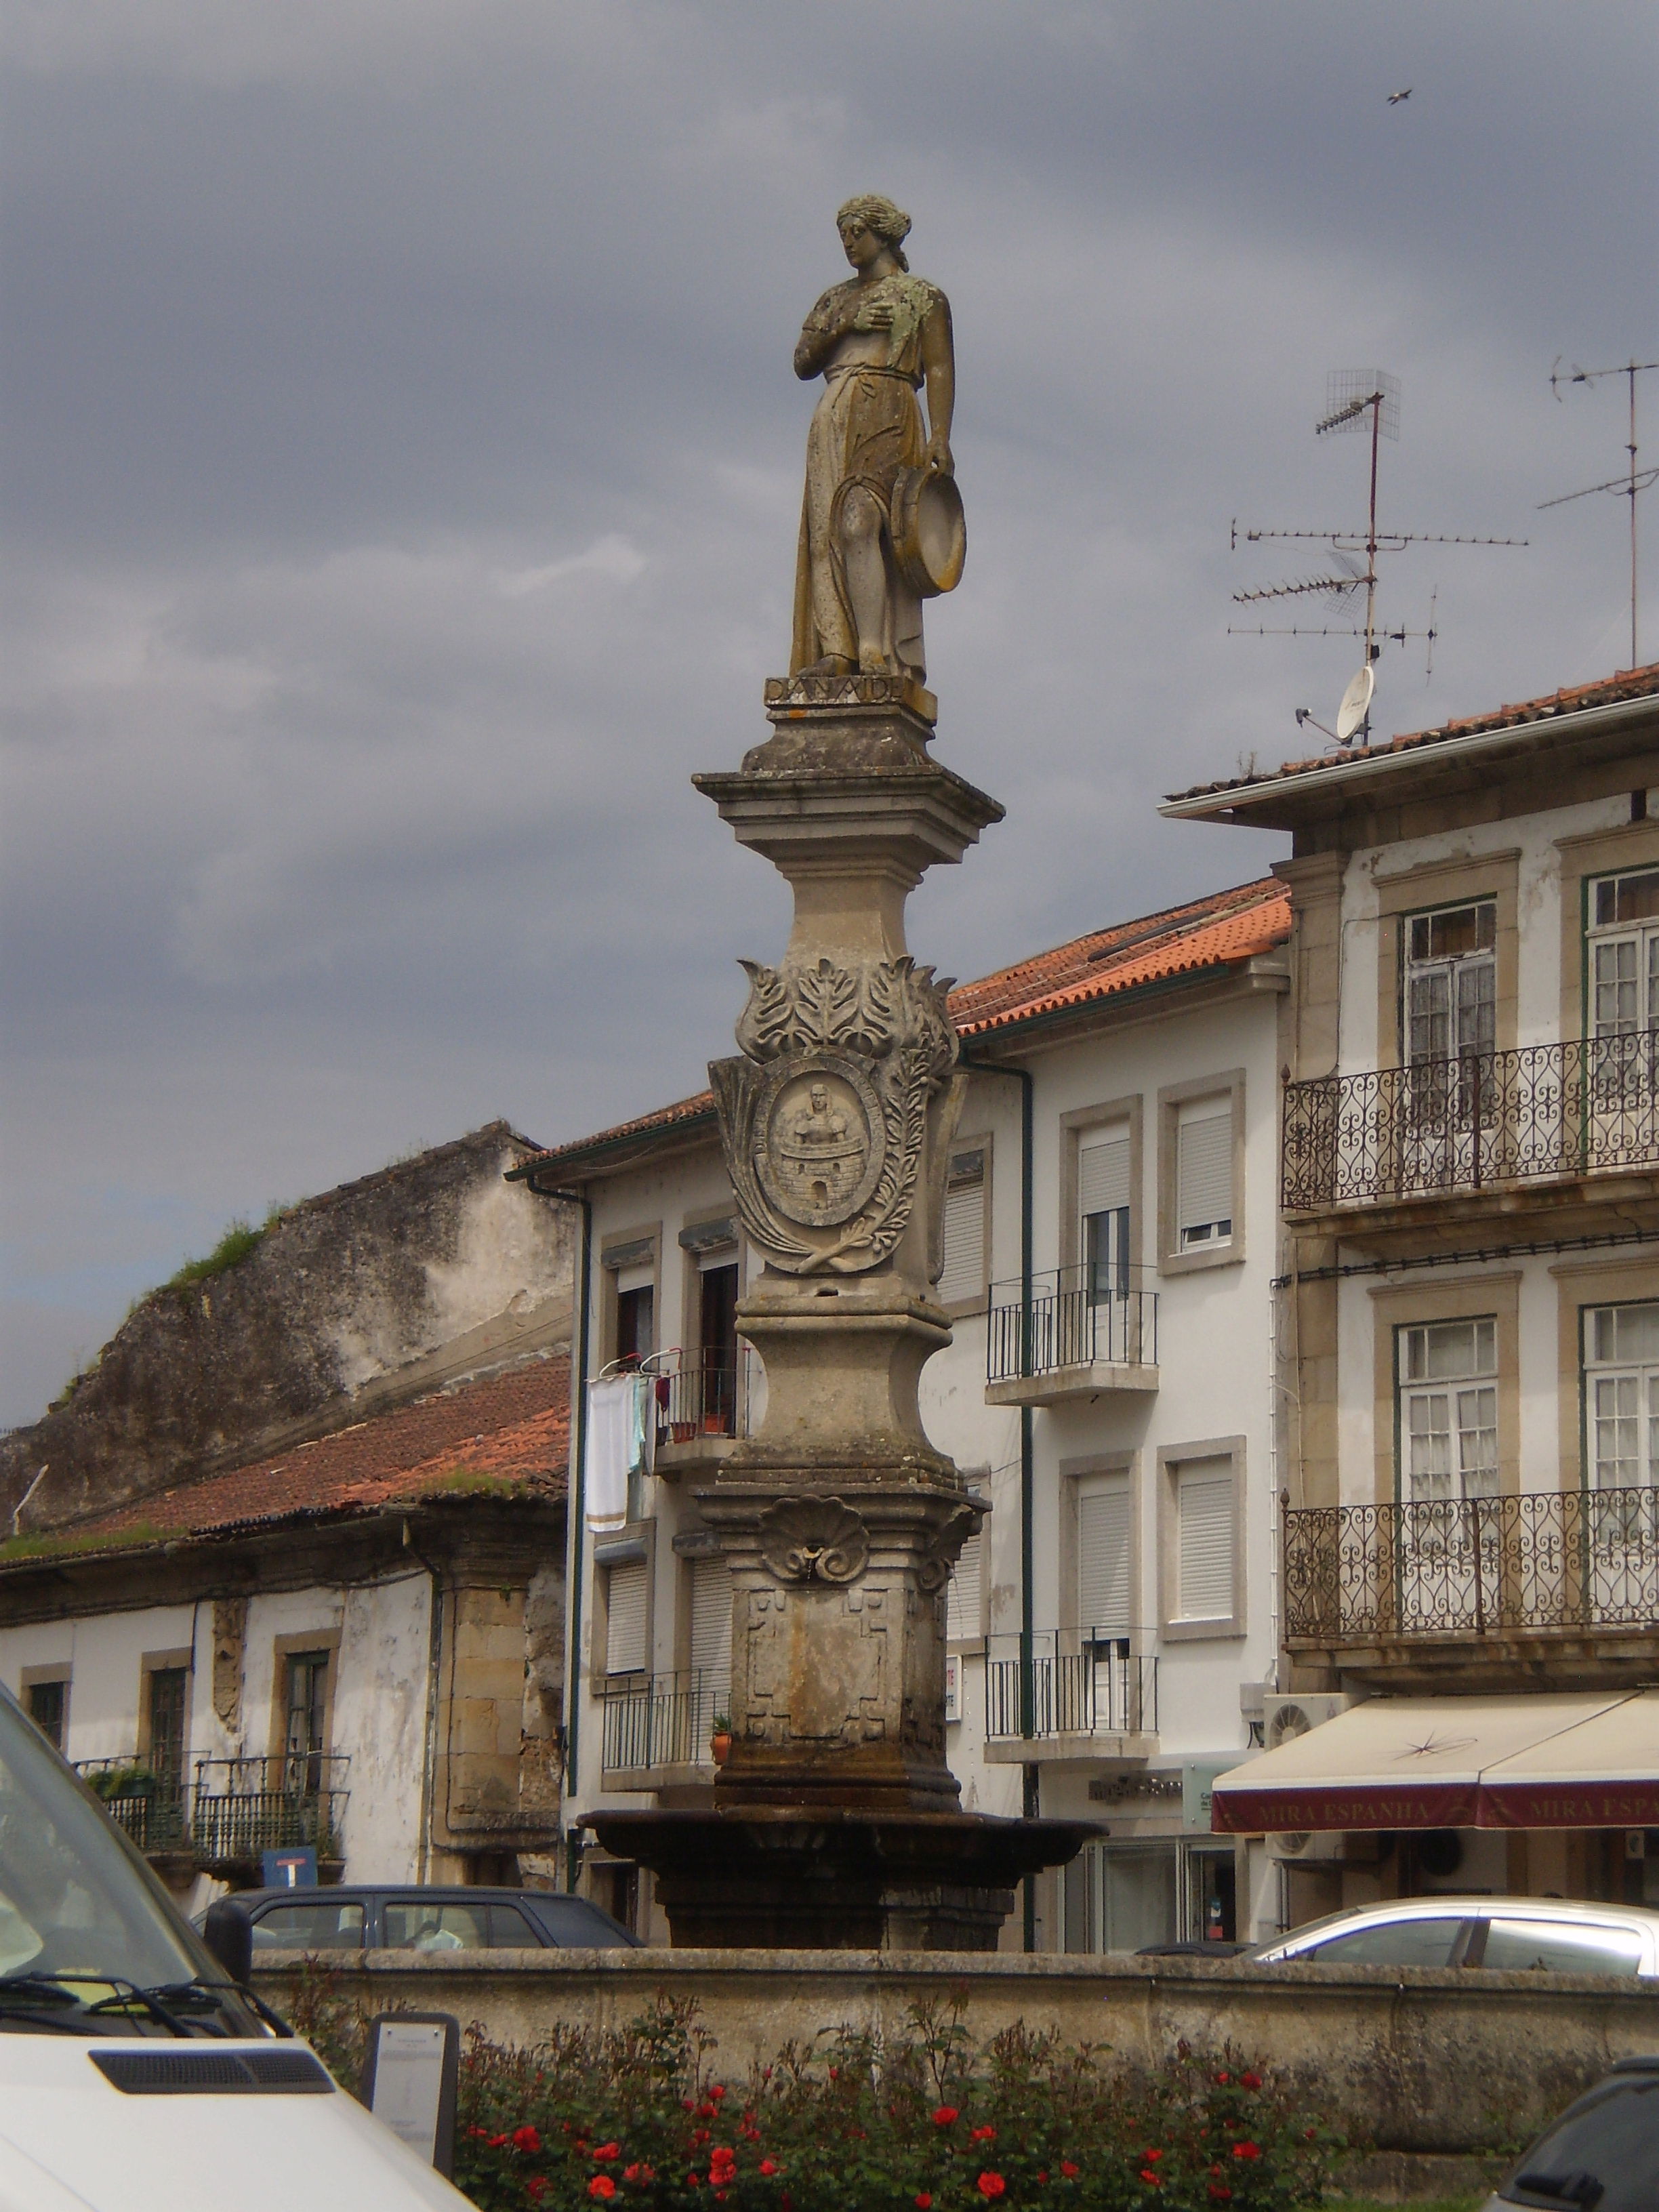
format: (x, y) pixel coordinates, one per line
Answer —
(1501, 1122)
(704, 1403)
(232, 1810)
(1085, 1330)
(1068, 1693)
(658, 1727)
(1477, 1578)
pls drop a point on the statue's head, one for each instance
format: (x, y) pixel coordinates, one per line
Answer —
(872, 212)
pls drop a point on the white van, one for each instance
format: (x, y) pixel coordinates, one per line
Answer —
(135, 2075)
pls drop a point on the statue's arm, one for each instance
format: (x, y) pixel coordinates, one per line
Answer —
(938, 370)
(821, 333)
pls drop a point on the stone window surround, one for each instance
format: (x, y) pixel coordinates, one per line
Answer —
(641, 1533)
(1081, 1121)
(692, 1542)
(1431, 888)
(1171, 1458)
(283, 1648)
(960, 1308)
(1579, 1284)
(612, 1247)
(160, 1662)
(57, 1670)
(1071, 1473)
(1599, 853)
(736, 1254)
(1403, 1305)
(1171, 1260)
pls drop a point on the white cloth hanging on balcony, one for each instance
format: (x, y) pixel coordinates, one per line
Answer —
(616, 1444)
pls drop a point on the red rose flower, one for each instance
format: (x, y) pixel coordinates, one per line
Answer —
(768, 2165)
(1147, 2175)
(1224, 2079)
(706, 2111)
(606, 2152)
(1042, 2173)
(1152, 2157)
(1251, 2080)
(1068, 2169)
(1245, 2150)
(535, 2188)
(982, 2135)
(602, 2187)
(722, 2163)
(526, 2139)
(945, 2114)
(717, 2090)
(924, 2201)
(991, 2185)
(496, 2141)
(1220, 2193)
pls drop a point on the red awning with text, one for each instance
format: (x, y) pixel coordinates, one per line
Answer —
(1550, 1761)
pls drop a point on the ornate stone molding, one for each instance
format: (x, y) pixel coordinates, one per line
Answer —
(933, 1567)
(824, 1116)
(804, 1539)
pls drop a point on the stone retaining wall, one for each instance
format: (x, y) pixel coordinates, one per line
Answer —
(1403, 2059)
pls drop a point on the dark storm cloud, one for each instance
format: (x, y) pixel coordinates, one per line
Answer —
(403, 477)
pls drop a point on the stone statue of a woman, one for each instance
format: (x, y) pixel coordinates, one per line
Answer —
(876, 340)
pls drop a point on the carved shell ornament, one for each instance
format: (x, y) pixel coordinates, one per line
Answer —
(933, 1568)
(804, 1539)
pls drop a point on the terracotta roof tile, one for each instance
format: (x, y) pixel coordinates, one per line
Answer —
(1218, 931)
(513, 1426)
(1607, 691)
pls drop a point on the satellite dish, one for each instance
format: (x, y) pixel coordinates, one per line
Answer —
(1356, 704)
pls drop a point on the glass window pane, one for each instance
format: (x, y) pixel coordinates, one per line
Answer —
(1138, 1897)
(1394, 1943)
(510, 1931)
(1615, 2140)
(411, 1925)
(318, 1925)
(1560, 1947)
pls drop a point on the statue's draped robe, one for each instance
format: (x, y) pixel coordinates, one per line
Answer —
(867, 428)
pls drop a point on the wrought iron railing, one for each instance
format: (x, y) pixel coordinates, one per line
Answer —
(661, 1720)
(699, 1393)
(1068, 1681)
(234, 1808)
(1488, 1120)
(1554, 1559)
(1077, 1317)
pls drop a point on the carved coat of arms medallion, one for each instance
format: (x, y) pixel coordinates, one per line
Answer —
(819, 1139)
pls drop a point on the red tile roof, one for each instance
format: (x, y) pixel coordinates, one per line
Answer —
(1607, 691)
(514, 1427)
(1216, 932)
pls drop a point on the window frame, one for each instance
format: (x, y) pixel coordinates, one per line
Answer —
(642, 1534)
(180, 1660)
(961, 1147)
(1586, 1372)
(30, 1678)
(1173, 1626)
(1395, 1306)
(1596, 934)
(293, 1646)
(1084, 1122)
(1492, 1378)
(621, 1249)
(1173, 1260)
(1073, 1475)
(1440, 887)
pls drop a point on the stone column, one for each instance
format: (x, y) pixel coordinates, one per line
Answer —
(839, 1520)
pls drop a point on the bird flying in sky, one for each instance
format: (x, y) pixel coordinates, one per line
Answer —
(1394, 97)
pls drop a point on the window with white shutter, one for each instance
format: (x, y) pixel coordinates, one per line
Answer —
(1204, 1540)
(1104, 1203)
(624, 1618)
(1103, 1581)
(710, 1640)
(963, 1276)
(1204, 1174)
(964, 1593)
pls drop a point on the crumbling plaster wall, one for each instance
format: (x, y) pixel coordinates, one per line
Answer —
(432, 1267)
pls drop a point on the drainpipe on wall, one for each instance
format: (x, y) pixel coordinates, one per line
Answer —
(577, 1517)
(1030, 1794)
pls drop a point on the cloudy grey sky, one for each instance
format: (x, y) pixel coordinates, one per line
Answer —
(403, 471)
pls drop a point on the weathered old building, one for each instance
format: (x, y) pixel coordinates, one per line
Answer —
(335, 1617)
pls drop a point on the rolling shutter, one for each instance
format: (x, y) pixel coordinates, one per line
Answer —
(1203, 1172)
(964, 1593)
(1102, 1556)
(1203, 1505)
(962, 1275)
(1102, 1172)
(711, 1628)
(624, 1627)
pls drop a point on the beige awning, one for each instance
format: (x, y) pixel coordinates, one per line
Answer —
(1556, 1760)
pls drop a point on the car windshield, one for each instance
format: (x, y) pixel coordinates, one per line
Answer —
(72, 1903)
(1605, 2154)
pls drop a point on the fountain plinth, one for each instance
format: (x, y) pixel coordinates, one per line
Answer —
(837, 1819)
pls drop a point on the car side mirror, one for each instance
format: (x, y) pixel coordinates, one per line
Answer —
(229, 1934)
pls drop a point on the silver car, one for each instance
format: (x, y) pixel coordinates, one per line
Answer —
(1545, 1935)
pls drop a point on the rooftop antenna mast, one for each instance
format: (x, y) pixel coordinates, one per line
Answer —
(1363, 401)
(1634, 480)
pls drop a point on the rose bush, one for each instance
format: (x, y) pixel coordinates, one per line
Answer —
(922, 2122)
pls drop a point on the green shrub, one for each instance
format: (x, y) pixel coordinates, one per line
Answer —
(239, 1240)
(925, 2121)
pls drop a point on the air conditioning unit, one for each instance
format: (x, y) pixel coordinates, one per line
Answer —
(1286, 1715)
(1293, 1850)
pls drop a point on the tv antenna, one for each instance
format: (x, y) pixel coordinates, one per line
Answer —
(1357, 402)
(1627, 486)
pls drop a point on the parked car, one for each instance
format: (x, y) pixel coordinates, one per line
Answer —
(1549, 1934)
(1602, 2156)
(408, 1917)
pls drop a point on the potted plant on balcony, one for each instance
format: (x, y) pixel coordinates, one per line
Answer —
(720, 1742)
